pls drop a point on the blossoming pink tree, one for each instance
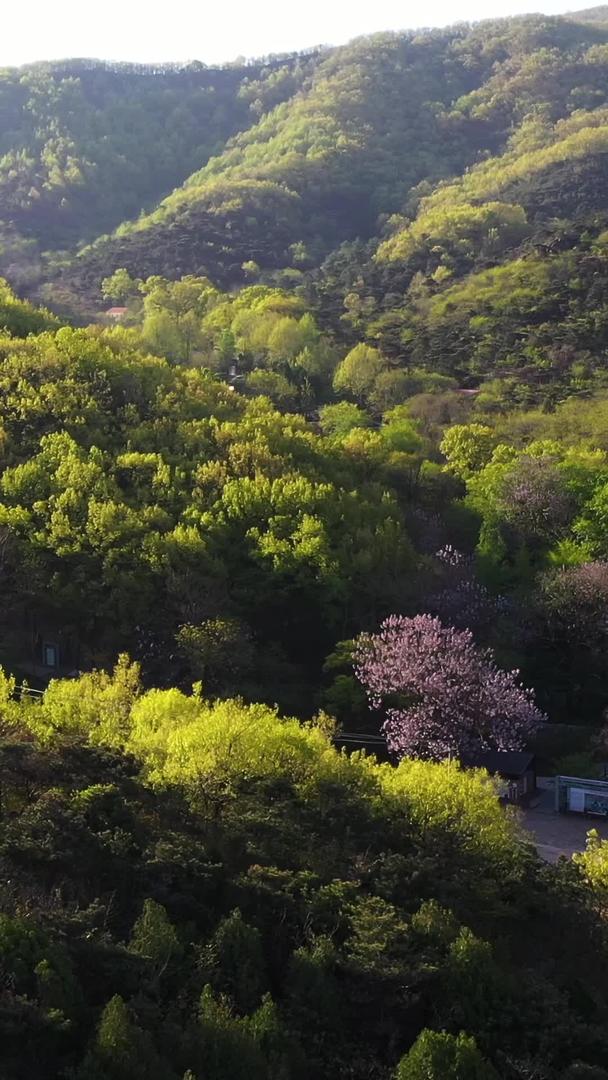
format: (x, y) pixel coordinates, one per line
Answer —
(441, 694)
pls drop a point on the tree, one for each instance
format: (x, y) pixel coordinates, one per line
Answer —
(466, 448)
(592, 527)
(154, 938)
(437, 1055)
(400, 432)
(233, 962)
(390, 388)
(358, 371)
(96, 706)
(570, 626)
(287, 339)
(378, 943)
(441, 694)
(229, 1050)
(314, 993)
(218, 651)
(341, 418)
(120, 286)
(473, 991)
(463, 601)
(535, 499)
(593, 864)
(273, 385)
(121, 1050)
(115, 1034)
(173, 314)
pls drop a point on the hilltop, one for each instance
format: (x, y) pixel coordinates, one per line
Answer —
(278, 162)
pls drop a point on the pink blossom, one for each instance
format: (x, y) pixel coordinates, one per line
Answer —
(441, 695)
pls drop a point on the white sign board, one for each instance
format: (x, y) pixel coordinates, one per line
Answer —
(577, 799)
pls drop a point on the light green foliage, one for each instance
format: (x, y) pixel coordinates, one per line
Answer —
(456, 230)
(155, 718)
(287, 338)
(434, 923)
(343, 870)
(268, 331)
(93, 142)
(357, 372)
(21, 318)
(184, 740)
(9, 709)
(114, 1036)
(591, 528)
(340, 419)
(466, 448)
(390, 388)
(191, 742)
(274, 385)
(95, 707)
(153, 937)
(550, 494)
(593, 863)
(519, 286)
(285, 185)
(148, 492)
(442, 795)
(440, 1056)
(393, 386)
(400, 433)
(120, 286)
(173, 314)
(121, 1049)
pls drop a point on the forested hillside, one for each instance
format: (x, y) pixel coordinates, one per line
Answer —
(303, 445)
(84, 145)
(351, 147)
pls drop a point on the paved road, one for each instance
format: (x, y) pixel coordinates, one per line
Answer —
(558, 834)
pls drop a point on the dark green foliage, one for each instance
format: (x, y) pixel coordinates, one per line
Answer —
(349, 906)
(85, 144)
(233, 962)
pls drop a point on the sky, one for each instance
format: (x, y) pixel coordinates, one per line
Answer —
(215, 31)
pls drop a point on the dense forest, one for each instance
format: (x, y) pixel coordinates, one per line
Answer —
(303, 446)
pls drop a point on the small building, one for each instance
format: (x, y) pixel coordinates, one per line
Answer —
(42, 647)
(517, 768)
(580, 796)
(116, 313)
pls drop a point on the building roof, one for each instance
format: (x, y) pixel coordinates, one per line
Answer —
(510, 763)
(116, 311)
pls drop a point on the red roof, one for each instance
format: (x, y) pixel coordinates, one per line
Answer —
(116, 311)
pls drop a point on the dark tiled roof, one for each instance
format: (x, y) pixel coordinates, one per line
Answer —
(506, 762)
